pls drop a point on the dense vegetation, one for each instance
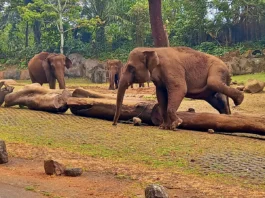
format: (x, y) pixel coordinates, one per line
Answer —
(111, 28)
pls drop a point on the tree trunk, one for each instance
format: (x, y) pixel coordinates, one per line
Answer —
(37, 32)
(158, 32)
(36, 97)
(149, 113)
(61, 30)
(27, 34)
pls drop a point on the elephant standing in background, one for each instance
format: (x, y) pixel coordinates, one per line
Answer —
(115, 69)
(179, 72)
(47, 67)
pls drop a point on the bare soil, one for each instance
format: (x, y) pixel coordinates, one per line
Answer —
(109, 178)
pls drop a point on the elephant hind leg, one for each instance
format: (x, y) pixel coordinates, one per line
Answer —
(218, 80)
(220, 102)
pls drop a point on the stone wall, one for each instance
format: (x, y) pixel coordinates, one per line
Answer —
(246, 63)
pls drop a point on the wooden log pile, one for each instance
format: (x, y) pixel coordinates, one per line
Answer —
(148, 112)
(36, 97)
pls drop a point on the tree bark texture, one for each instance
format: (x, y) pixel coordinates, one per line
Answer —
(158, 32)
(36, 97)
(149, 113)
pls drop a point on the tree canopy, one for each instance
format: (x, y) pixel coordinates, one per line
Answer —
(110, 29)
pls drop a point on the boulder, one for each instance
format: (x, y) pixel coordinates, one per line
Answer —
(77, 66)
(155, 191)
(52, 167)
(24, 75)
(89, 64)
(3, 153)
(254, 86)
(12, 74)
(98, 74)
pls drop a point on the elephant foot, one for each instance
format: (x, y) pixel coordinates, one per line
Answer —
(239, 99)
(175, 124)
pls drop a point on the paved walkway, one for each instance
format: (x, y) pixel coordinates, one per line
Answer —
(8, 191)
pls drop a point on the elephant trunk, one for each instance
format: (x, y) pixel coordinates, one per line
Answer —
(123, 85)
(60, 78)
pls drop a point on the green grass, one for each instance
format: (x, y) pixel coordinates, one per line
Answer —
(244, 78)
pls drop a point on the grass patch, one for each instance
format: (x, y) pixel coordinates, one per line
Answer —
(30, 188)
(244, 78)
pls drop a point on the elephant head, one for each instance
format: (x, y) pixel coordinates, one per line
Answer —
(114, 69)
(54, 67)
(140, 63)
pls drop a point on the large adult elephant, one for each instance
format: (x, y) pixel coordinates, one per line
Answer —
(177, 73)
(115, 69)
(47, 67)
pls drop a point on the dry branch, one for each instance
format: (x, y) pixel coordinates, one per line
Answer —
(149, 113)
(36, 97)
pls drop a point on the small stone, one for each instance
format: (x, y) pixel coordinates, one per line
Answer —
(191, 110)
(137, 121)
(210, 131)
(3, 152)
(52, 167)
(192, 160)
(73, 172)
(155, 191)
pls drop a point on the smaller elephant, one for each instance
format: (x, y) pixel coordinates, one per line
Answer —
(115, 69)
(46, 67)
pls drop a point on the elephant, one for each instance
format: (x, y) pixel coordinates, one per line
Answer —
(179, 72)
(46, 67)
(115, 69)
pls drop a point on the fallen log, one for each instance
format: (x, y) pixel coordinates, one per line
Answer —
(83, 93)
(149, 113)
(36, 97)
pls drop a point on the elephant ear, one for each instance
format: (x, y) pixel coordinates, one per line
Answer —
(68, 63)
(151, 59)
(47, 68)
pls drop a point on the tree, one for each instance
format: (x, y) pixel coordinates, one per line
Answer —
(158, 32)
(60, 13)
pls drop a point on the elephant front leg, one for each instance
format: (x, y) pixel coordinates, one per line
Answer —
(176, 94)
(161, 94)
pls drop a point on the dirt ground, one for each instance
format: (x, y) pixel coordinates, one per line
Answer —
(107, 178)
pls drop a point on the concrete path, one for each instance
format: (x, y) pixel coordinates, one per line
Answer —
(8, 191)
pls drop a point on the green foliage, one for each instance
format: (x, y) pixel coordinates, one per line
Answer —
(111, 29)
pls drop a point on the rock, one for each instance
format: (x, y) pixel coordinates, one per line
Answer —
(52, 167)
(210, 131)
(137, 121)
(12, 74)
(191, 110)
(3, 153)
(155, 191)
(234, 83)
(73, 172)
(240, 87)
(254, 86)
(24, 75)
(99, 74)
(77, 66)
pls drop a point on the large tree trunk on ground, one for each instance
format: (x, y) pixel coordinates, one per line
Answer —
(158, 32)
(149, 113)
(36, 97)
